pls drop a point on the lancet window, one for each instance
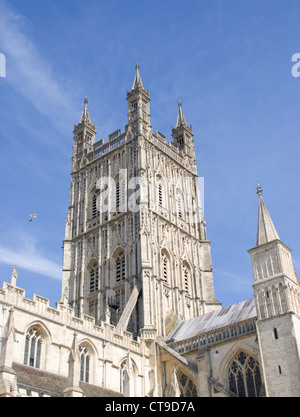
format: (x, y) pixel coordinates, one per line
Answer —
(33, 348)
(120, 267)
(94, 278)
(85, 360)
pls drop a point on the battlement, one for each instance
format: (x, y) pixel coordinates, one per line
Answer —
(116, 139)
(13, 296)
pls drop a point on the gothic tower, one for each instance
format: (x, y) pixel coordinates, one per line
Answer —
(135, 247)
(277, 297)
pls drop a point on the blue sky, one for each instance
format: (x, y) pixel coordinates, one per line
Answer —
(230, 64)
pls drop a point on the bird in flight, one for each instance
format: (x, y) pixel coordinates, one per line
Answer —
(32, 216)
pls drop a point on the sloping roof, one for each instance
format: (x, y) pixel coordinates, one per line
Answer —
(44, 382)
(218, 319)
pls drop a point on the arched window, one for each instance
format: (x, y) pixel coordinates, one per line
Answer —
(94, 278)
(95, 210)
(120, 194)
(187, 387)
(186, 275)
(33, 348)
(165, 268)
(282, 298)
(244, 376)
(160, 195)
(120, 267)
(85, 360)
(128, 373)
(179, 206)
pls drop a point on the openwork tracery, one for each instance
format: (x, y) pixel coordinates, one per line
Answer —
(244, 376)
(33, 348)
(187, 387)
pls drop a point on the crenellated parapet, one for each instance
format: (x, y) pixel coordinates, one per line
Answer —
(40, 307)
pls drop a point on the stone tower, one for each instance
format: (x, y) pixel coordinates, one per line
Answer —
(135, 249)
(277, 297)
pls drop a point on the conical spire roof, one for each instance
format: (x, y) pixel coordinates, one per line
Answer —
(85, 117)
(137, 79)
(180, 117)
(266, 231)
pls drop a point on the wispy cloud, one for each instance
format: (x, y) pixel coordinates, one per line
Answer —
(25, 253)
(232, 282)
(30, 72)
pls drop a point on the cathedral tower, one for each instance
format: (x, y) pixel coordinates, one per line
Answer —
(277, 297)
(135, 248)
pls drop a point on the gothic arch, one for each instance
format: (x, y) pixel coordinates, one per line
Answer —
(119, 192)
(186, 382)
(118, 265)
(179, 202)
(42, 328)
(87, 342)
(128, 376)
(166, 266)
(162, 191)
(92, 196)
(88, 355)
(92, 281)
(249, 358)
(36, 342)
(187, 278)
(233, 351)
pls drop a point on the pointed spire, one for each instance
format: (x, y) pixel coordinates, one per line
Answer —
(266, 231)
(137, 79)
(180, 118)
(85, 117)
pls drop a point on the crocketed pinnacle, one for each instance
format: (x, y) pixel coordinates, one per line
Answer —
(85, 117)
(180, 117)
(137, 79)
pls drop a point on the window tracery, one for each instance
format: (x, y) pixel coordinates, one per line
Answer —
(244, 376)
(94, 279)
(187, 387)
(33, 348)
(120, 267)
(85, 360)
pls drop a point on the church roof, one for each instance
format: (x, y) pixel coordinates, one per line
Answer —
(43, 382)
(214, 320)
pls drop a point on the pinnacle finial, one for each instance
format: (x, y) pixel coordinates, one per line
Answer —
(14, 276)
(180, 118)
(137, 79)
(85, 117)
(259, 190)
